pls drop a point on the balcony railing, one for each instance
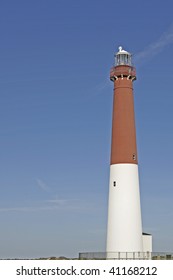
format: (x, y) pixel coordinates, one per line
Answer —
(125, 70)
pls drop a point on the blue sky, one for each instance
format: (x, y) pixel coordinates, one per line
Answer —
(55, 121)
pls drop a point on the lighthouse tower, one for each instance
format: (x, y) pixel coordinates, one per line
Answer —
(124, 231)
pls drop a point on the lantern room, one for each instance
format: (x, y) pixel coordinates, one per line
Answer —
(123, 57)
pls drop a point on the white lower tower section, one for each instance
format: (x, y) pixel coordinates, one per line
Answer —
(124, 232)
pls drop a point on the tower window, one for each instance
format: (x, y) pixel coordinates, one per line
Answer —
(134, 156)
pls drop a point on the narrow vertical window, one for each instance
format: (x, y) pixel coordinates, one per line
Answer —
(134, 156)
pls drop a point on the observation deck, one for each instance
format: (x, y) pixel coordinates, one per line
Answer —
(123, 71)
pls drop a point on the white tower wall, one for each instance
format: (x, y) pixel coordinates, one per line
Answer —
(124, 232)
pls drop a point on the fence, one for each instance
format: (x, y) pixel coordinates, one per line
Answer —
(125, 256)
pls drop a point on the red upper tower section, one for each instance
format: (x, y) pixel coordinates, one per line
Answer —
(124, 148)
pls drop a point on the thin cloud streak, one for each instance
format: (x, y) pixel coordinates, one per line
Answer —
(47, 205)
(42, 185)
(36, 209)
(58, 201)
(154, 48)
(63, 202)
(53, 205)
(25, 209)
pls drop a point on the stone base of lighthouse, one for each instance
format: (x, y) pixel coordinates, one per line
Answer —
(124, 232)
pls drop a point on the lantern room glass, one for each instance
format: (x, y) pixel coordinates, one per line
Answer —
(123, 58)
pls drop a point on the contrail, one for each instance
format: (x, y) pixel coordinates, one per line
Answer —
(154, 48)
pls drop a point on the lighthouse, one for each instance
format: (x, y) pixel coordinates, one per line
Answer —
(124, 229)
